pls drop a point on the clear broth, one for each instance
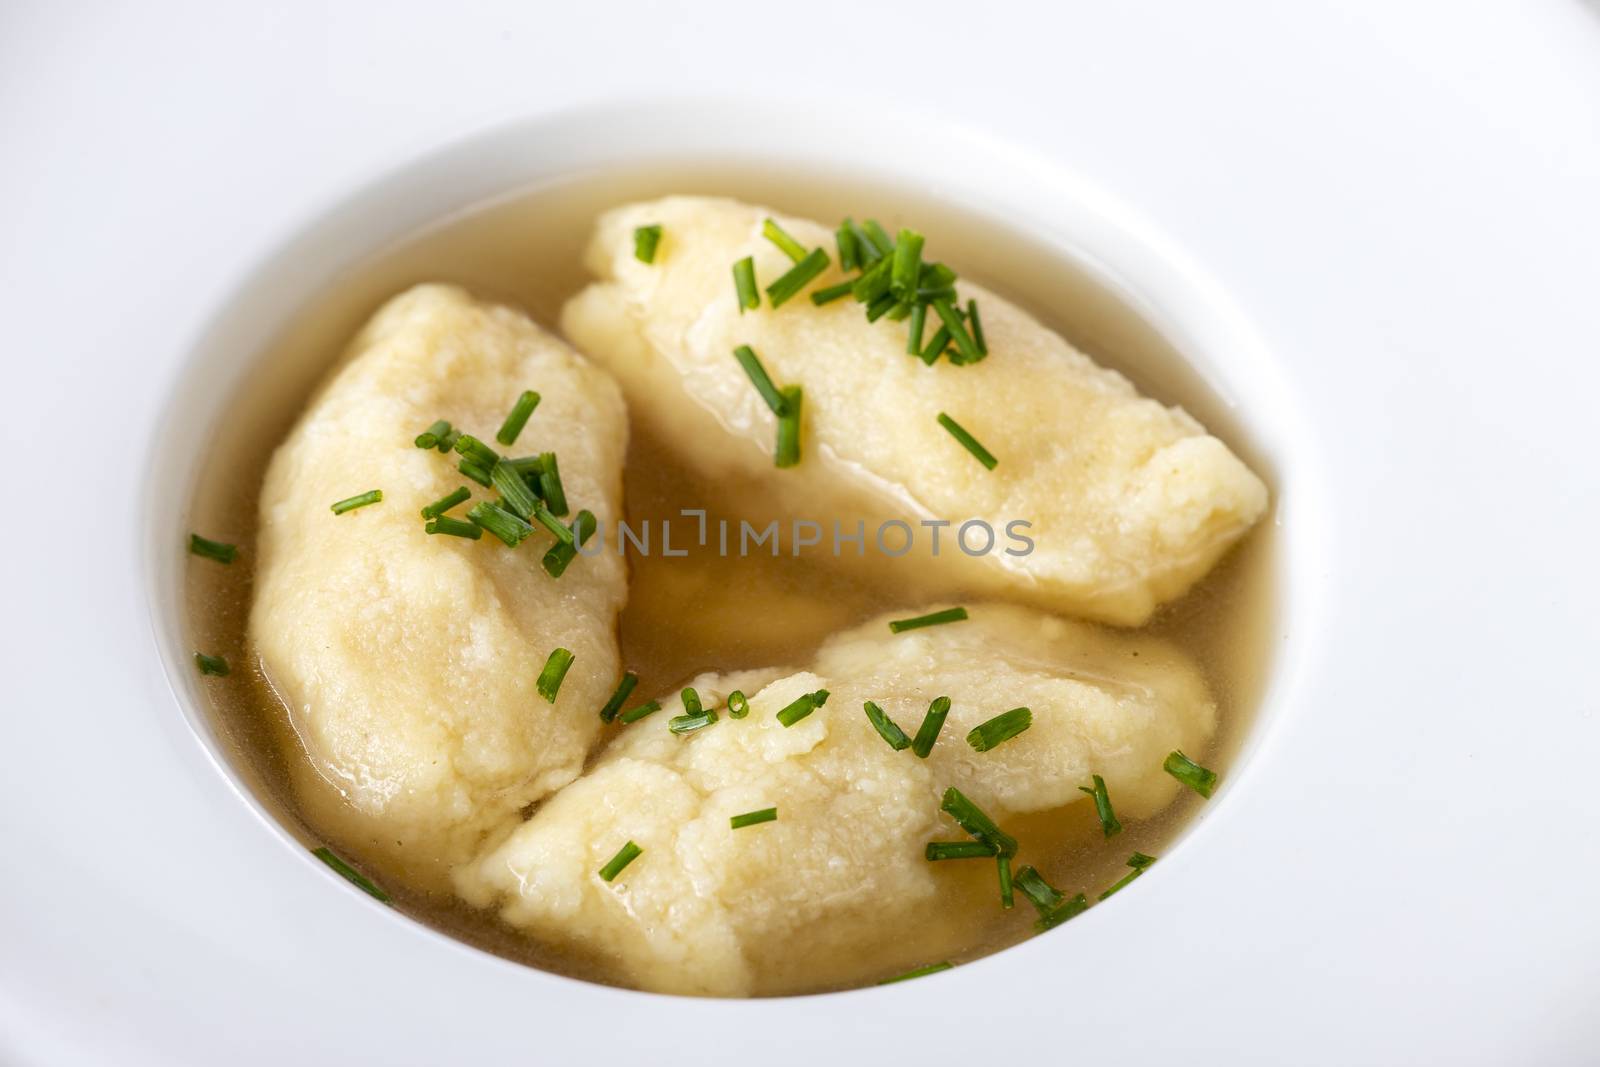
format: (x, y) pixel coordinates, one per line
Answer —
(526, 249)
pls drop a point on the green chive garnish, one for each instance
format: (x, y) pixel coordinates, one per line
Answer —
(753, 818)
(519, 499)
(932, 723)
(879, 236)
(500, 522)
(635, 714)
(1138, 861)
(360, 500)
(886, 727)
(1006, 897)
(786, 451)
(527, 466)
(907, 270)
(936, 346)
(625, 855)
(958, 329)
(691, 701)
(211, 664)
(933, 618)
(689, 722)
(555, 669)
(881, 307)
(645, 240)
(217, 550)
(758, 377)
(1102, 806)
(775, 233)
(977, 328)
(1190, 773)
(475, 472)
(867, 251)
(350, 874)
(932, 968)
(971, 819)
(801, 707)
(560, 554)
(958, 850)
(618, 695)
(429, 438)
(445, 503)
(744, 285)
(542, 516)
(1002, 727)
(919, 318)
(969, 442)
(475, 450)
(444, 524)
(831, 293)
(797, 277)
(447, 442)
(1040, 893)
(1071, 908)
(874, 282)
(518, 417)
(550, 485)
(849, 247)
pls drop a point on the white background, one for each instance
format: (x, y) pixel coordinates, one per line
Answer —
(1403, 197)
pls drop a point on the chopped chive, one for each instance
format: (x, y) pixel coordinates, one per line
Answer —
(919, 318)
(625, 855)
(1002, 727)
(635, 714)
(879, 236)
(933, 618)
(899, 312)
(543, 517)
(500, 522)
(461, 495)
(758, 377)
(360, 500)
(691, 701)
(753, 818)
(519, 499)
(958, 330)
(517, 418)
(689, 722)
(1102, 806)
(618, 695)
(1007, 899)
(1138, 861)
(645, 240)
(867, 252)
(936, 278)
(849, 248)
(775, 233)
(799, 708)
(968, 442)
(886, 727)
(935, 347)
(972, 819)
(211, 664)
(444, 524)
(932, 723)
(429, 438)
(786, 450)
(738, 704)
(873, 282)
(932, 968)
(881, 307)
(1069, 909)
(831, 293)
(957, 850)
(555, 669)
(527, 465)
(220, 551)
(475, 472)
(907, 271)
(475, 450)
(1190, 773)
(977, 328)
(1040, 893)
(797, 277)
(447, 442)
(550, 485)
(350, 874)
(559, 555)
(744, 285)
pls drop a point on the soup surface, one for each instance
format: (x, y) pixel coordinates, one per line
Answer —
(706, 611)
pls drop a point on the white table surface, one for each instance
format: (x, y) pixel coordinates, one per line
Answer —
(1403, 197)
